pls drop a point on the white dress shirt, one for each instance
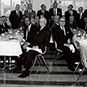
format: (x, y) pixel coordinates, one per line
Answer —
(17, 12)
(63, 28)
(28, 30)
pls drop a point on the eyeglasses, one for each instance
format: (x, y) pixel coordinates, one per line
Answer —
(61, 21)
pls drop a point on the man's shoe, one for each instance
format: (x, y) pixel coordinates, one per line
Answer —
(24, 74)
(17, 69)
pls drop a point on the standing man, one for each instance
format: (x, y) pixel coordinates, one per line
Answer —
(70, 12)
(30, 12)
(80, 17)
(44, 12)
(55, 11)
(15, 17)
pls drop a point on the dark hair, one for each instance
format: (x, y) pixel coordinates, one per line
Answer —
(42, 5)
(71, 5)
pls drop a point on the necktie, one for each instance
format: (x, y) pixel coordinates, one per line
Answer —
(64, 30)
(55, 11)
(18, 14)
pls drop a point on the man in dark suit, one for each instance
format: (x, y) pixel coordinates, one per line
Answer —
(55, 11)
(70, 12)
(61, 35)
(30, 12)
(43, 12)
(30, 31)
(40, 41)
(71, 23)
(55, 21)
(15, 17)
(84, 23)
(4, 26)
(80, 17)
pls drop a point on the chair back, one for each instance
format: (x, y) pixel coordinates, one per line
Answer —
(45, 50)
(57, 48)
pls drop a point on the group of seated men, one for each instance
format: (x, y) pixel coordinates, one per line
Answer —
(39, 28)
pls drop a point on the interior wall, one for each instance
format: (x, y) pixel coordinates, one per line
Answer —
(37, 4)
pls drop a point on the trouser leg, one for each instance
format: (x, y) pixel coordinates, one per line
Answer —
(30, 57)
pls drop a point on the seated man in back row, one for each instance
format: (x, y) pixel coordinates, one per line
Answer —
(41, 40)
(63, 38)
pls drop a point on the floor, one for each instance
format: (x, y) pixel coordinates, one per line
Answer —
(59, 76)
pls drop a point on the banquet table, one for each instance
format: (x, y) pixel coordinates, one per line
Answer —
(10, 48)
(81, 45)
(80, 42)
(10, 44)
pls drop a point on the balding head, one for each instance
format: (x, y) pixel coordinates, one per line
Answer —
(62, 21)
(43, 21)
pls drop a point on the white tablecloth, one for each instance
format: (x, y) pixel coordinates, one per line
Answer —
(79, 41)
(10, 48)
(81, 44)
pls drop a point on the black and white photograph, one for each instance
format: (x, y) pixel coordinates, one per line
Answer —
(43, 43)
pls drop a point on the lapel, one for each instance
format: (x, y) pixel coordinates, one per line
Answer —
(16, 14)
(42, 31)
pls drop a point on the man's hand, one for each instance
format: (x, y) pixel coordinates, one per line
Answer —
(25, 46)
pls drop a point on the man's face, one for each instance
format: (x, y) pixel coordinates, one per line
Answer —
(42, 22)
(80, 10)
(17, 7)
(85, 19)
(71, 18)
(62, 22)
(56, 19)
(43, 7)
(69, 8)
(37, 19)
(29, 7)
(27, 21)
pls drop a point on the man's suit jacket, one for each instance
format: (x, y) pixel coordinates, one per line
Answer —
(73, 25)
(85, 13)
(15, 19)
(46, 14)
(4, 28)
(80, 21)
(31, 34)
(42, 38)
(59, 37)
(84, 26)
(31, 14)
(67, 14)
(59, 12)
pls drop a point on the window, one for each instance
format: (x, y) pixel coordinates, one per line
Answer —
(7, 5)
